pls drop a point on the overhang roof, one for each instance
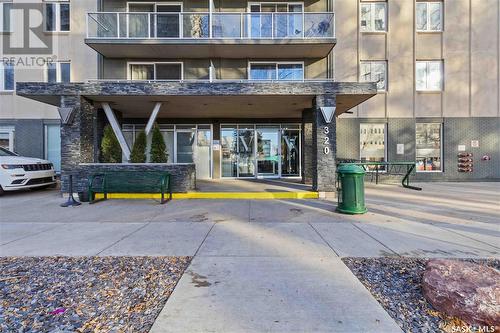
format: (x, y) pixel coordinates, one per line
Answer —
(210, 99)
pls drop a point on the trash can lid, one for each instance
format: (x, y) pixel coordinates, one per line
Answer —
(350, 168)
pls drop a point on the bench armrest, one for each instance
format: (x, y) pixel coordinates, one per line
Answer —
(93, 177)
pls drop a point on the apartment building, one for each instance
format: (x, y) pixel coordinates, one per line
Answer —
(247, 89)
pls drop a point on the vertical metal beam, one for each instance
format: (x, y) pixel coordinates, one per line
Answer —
(152, 118)
(116, 129)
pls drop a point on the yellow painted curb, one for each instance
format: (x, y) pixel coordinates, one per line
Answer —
(216, 195)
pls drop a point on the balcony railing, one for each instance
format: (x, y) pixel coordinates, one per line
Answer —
(128, 25)
(211, 80)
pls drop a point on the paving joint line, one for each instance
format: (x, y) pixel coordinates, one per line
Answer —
(372, 237)
(35, 234)
(124, 237)
(324, 240)
(460, 234)
(204, 238)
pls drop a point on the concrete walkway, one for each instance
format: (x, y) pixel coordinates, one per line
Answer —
(264, 266)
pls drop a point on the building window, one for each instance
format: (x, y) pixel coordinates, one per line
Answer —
(7, 137)
(428, 147)
(372, 142)
(5, 18)
(59, 72)
(53, 145)
(373, 17)
(429, 16)
(165, 71)
(374, 71)
(57, 16)
(6, 76)
(276, 71)
(429, 75)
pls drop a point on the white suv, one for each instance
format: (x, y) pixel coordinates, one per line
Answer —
(17, 172)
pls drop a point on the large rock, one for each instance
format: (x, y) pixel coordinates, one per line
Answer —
(465, 290)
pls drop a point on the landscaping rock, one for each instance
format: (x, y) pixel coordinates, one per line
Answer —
(465, 290)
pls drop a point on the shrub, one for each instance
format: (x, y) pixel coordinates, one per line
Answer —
(138, 154)
(111, 151)
(158, 148)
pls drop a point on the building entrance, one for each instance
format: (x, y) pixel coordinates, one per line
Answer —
(260, 151)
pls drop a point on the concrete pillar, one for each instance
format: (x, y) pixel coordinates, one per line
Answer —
(307, 146)
(77, 139)
(324, 145)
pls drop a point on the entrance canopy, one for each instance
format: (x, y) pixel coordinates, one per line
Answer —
(248, 99)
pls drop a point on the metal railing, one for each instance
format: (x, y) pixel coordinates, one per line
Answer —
(194, 25)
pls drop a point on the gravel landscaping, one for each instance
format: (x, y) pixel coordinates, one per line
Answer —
(85, 294)
(396, 284)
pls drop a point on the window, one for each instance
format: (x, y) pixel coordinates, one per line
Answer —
(429, 75)
(59, 72)
(6, 76)
(373, 17)
(429, 16)
(167, 71)
(7, 137)
(428, 147)
(5, 21)
(374, 71)
(53, 145)
(276, 71)
(372, 142)
(57, 16)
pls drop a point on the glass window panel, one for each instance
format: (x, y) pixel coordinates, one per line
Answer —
(52, 72)
(142, 72)
(168, 137)
(262, 72)
(290, 72)
(366, 17)
(435, 16)
(379, 23)
(372, 142)
(229, 151)
(5, 9)
(53, 145)
(185, 143)
(290, 153)
(434, 79)
(168, 72)
(50, 17)
(246, 144)
(374, 71)
(65, 72)
(64, 16)
(421, 75)
(428, 146)
(8, 76)
(421, 19)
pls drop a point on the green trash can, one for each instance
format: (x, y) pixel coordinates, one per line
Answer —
(351, 189)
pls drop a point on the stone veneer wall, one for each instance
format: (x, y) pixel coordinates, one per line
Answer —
(183, 175)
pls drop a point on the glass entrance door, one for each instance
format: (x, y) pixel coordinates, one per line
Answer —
(268, 152)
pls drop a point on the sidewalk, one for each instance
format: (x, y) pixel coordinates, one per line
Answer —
(264, 266)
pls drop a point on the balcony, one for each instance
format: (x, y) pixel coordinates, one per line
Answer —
(216, 35)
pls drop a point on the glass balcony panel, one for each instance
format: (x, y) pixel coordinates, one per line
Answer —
(288, 25)
(226, 25)
(102, 25)
(139, 25)
(167, 25)
(195, 25)
(261, 25)
(319, 25)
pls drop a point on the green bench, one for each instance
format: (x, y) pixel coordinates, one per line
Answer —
(130, 182)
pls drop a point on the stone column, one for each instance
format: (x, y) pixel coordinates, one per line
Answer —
(77, 140)
(324, 145)
(307, 146)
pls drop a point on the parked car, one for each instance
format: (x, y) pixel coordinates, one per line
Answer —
(17, 172)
